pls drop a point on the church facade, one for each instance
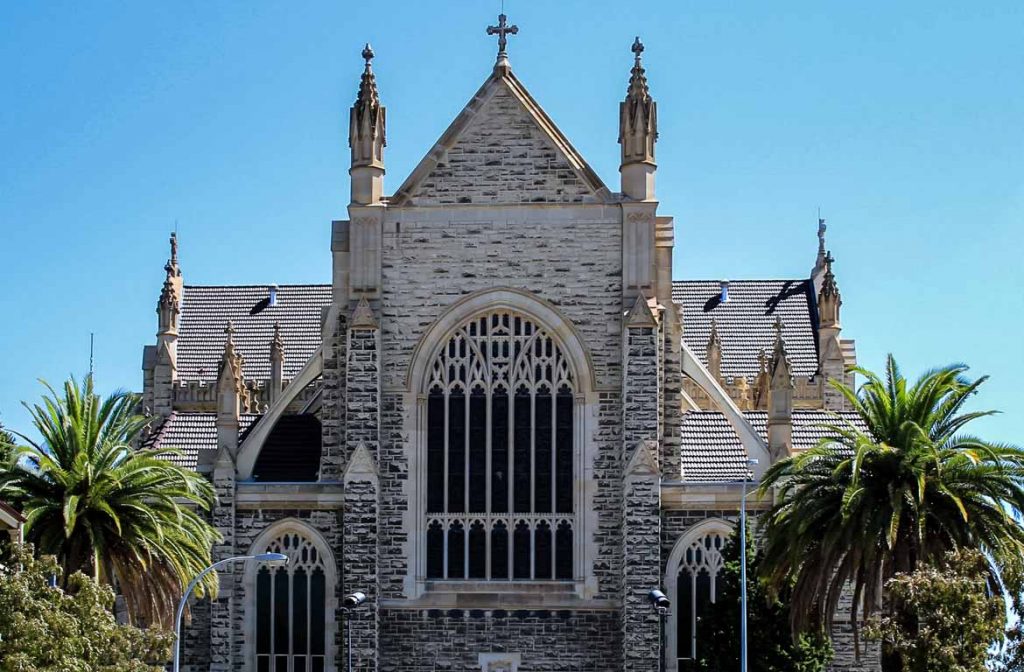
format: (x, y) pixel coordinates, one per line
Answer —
(503, 421)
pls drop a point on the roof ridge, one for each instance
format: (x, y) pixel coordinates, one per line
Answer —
(263, 286)
(731, 282)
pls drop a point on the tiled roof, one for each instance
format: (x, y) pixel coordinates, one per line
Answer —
(205, 312)
(191, 433)
(746, 322)
(711, 450)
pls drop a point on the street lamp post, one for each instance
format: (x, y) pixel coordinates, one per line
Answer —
(752, 462)
(275, 558)
(662, 605)
(350, 602)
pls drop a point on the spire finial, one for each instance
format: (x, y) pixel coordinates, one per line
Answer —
(368, 95)
(829, 291)
(638, 89)
(230, 331)
(502, 30)
(821, 233)
(172, 263)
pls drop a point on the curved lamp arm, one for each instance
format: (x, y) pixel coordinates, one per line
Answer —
(276, 558)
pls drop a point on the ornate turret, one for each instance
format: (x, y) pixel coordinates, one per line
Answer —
(366, 138)
(780, 399)
(829, 299)
(276, 364)
(230, 386)
(831, 358)
(714, 352)
(818, 272)
(638, 131)
(164, 371)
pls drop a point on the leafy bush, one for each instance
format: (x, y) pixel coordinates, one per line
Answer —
(47, 629)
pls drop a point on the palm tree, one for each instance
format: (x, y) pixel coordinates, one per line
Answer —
(881, 498)
(127, 516)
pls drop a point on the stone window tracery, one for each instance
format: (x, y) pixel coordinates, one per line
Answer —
(291, 608)
(698, 571)
(500, 413)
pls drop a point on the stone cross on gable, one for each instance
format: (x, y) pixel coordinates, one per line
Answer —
(501, 30)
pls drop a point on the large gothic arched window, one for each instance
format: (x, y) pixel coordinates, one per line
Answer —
(500, 454)
(291, 608)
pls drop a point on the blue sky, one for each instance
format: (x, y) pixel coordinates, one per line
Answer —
(902, 121)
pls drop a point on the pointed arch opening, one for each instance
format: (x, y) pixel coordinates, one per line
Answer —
(691, 576)
(290, 608)
(500, 430)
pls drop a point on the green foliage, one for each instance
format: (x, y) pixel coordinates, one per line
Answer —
(128, 516)
(943, 617)
(772, 646)
(862, 506)
(44, 629)
(7, 449)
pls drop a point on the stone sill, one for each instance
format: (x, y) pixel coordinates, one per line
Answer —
(680, 495)
(250, 495)
(499, 594)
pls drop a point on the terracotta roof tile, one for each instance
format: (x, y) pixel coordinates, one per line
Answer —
(746, 321)
(191, 433)
(205, 312)
(711, 450)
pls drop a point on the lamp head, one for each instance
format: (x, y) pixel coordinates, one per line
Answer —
(659, 601)
(353, 600)
(273, 559)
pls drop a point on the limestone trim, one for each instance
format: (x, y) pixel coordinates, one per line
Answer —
(249, 451)
(644, 463)
(289, 496)
(529, 305)
(361, 466)
(259, 545)
(705, 496)
(705, 528)
(751, 440)
(500, 77)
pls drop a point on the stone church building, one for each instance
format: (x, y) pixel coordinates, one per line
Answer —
(503, 420)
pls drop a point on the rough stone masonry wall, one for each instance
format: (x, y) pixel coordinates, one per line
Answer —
(641, 402)
(223, 637)
(332, 408)
(571, 259)
(547, 641)
(672, 398)
(362, 494)
(502, 157)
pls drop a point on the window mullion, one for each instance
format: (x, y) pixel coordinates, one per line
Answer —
(510, 453)
(291, 620)
(533, 549)
(273, 619)
(446, 532)
(447, 399)
(533, 449)
(554, 452)
(466, 430)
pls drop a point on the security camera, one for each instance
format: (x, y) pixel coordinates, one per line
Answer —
(354, 600)
(659, 601)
